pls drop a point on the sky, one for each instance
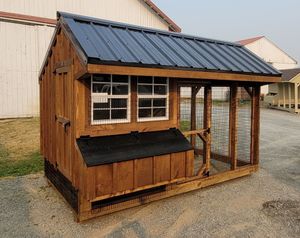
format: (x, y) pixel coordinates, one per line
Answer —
(233, 20)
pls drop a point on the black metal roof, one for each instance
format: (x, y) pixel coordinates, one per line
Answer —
(107, 42)
(135, 145)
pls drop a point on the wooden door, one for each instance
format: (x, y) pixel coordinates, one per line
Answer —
(63, 102)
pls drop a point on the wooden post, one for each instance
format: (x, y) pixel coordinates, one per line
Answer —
(255, 125)
(283, 89)
(195, 90)
(290, 96)
(207, 125)
(279, 94)
(296, 97)
(233, 126)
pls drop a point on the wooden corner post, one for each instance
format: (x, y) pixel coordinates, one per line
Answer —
(207, 125)
(233, 126)
(255, 125)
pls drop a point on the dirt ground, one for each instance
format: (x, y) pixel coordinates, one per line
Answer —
(265, 204)
(20, 137)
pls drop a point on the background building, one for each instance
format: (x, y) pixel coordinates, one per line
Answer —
(269, 52)
(26, 27)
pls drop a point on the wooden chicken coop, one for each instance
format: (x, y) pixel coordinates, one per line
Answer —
(130, 115)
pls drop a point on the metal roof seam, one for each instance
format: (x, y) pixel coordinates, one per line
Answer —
(175, 52)
(193, 57)
(158, 48)
(262, 64)
(126, 46)
(209, 51)
(201, 54)
(143, 47)
(227, 58)
(105, 43)
(237, 58)
(238, 51)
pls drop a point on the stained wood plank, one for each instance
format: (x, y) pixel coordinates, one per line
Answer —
(178, 165)
(189, 163)
(162, 168)
(123, 176)
(104, 179)
(143, 172)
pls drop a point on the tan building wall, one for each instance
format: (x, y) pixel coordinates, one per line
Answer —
(270, 53)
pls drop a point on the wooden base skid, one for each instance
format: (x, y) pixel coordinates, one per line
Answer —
(168, 191)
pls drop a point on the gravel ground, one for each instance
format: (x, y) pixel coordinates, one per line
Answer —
(265, 204)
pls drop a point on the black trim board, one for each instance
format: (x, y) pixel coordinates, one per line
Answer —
(62, 184)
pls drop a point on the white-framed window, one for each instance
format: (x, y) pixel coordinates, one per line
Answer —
(153, 98)
(110, 96)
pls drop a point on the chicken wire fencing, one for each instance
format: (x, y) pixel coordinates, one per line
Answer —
(220, 147)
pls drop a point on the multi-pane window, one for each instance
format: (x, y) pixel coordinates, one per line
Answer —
(153, 95)
(110, 99)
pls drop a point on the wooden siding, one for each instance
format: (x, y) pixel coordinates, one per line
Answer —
(57, 107)
(104, 181)
(83, 118)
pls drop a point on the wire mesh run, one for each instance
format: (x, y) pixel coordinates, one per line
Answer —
(220, 130)
(243, 127)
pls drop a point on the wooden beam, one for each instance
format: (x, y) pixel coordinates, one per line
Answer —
(233, 126)
(207, 111)
(194, 132)
(255, 126)
(179, 73)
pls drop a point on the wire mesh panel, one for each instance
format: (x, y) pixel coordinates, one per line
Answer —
(220, 130)
(186, 119)
(243, 127)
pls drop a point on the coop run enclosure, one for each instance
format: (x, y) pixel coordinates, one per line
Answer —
(131, 115)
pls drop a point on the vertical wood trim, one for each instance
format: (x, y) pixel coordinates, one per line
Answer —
(134, 101)
(233, 126)
(255, 125)
(207, 125)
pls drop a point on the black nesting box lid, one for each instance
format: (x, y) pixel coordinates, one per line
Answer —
(116, 148)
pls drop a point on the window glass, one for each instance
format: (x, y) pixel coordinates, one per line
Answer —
(101, 78)
(110, 99)
(145, 89)
(153, 98)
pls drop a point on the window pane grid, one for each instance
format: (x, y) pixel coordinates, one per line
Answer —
(153, 98)
(110, 104)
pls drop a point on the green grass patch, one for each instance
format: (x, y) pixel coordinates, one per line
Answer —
(32, 163)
